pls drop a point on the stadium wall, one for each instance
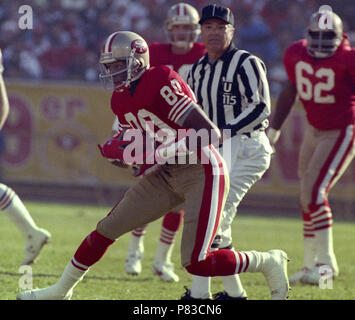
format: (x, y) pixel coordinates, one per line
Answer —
(50, 151)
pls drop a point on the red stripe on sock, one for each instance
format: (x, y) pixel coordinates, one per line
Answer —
(76, 266)
(247, 262)
(318, 215)
(4, 202)
(167, 237)
(324, 227)
(307, 235)
(166, 242)
(139, 232)
(240, 262)
(322, 220)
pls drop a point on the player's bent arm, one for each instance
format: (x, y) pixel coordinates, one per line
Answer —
(284, 105)
(196, 119)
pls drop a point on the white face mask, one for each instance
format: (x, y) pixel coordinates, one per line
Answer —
(322, 44)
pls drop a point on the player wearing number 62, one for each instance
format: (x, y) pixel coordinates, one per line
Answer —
(321, 70)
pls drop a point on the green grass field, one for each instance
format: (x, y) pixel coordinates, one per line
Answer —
(69, 224)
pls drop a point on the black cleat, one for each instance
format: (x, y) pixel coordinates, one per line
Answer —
(225, 296)
(187, 296)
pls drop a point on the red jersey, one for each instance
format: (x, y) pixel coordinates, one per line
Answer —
(161, 54)
(160, 97)
(326, 87)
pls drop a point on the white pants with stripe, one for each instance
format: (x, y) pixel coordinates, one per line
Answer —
(323, 159)
(247, 159)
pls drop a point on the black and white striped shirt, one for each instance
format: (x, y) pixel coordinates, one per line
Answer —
(233, 91)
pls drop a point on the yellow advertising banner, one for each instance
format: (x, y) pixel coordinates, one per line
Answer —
(53, 131)
(52, 134)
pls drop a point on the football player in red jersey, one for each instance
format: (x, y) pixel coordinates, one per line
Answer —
(321, 71)
(159, 96)
(182, 30)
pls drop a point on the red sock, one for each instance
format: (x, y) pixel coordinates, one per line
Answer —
(91, 250)
(217, 263)
(172, 220)
(171, 223)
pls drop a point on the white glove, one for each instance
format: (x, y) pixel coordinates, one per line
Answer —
(273, 135)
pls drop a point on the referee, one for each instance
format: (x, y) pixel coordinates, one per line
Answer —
(231, 86)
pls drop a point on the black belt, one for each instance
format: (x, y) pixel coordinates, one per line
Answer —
(248, 134)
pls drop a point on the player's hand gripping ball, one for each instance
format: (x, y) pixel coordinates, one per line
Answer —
(113, 150)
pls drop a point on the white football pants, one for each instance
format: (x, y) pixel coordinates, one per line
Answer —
(247, 160)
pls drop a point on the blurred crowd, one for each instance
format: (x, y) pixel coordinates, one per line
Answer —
(67, 35)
